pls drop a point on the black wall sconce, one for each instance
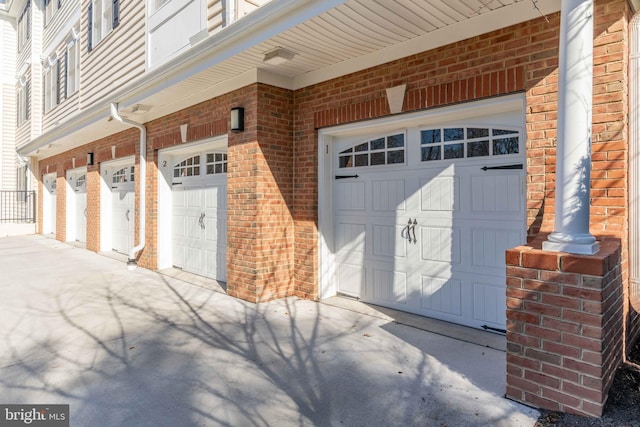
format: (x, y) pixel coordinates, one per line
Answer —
(237, 119)
(89, 159)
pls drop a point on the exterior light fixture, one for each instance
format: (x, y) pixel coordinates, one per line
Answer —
(237, 119)
(90, 159)
(278, 55)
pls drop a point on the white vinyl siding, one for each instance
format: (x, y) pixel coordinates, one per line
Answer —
(118, 59)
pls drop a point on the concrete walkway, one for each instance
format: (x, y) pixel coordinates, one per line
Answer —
(143, 349)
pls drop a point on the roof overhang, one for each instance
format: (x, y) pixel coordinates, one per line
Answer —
(233, 58)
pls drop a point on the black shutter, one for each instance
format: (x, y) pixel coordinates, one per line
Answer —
(28, 99)
(90, 25)
(57, 100)
(116, 13)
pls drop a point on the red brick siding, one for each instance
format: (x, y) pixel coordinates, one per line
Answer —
(565, 327)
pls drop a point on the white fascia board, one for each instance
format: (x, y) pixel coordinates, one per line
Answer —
(482, 24)
(263, 24)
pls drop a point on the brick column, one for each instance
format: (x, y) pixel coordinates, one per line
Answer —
(260, 197)
(564, 327)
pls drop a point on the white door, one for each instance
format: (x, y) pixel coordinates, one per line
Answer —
(199, 209)
(123, 209)
(49, 204)
(422, 219)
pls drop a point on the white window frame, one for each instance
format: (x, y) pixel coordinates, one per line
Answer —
(103, 26)
(72, 71)
(24, 24)
(51, 87)
(50, 9)
(22, 104)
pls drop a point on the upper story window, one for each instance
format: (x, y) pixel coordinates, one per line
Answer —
(51, 86)
(50, 8)
(23, 101)
(103, 16)
(380, 151)
(466, 142)
(72, 69)
(24, 25)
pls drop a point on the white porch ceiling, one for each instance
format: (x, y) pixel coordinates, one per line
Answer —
(353, 35)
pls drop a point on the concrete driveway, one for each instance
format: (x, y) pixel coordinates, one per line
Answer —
(144, 349)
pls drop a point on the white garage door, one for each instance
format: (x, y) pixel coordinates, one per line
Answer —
(77, 205)
(49, 204)
(199, 214)
(123, 209)
(422, 219)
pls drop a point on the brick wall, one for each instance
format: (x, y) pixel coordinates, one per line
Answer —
(564, 327)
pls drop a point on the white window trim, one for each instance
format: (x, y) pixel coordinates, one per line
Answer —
(99, 24)
(51, 89)
(72, 82)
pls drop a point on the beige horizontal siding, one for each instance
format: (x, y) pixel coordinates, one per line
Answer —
(59, 21)
(215, 16)
(117, 59)
(67, 106)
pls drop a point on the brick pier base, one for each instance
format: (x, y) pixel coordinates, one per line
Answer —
(564, 327)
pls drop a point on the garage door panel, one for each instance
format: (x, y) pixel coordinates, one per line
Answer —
(489, 245)
(388, 241)
(388, 195)
(439, 194)
(351, 278)
(389, 285)
(350, 196)
(441, 295)
(496, 194)
(489, 303)
(440, 244)
(351, 237)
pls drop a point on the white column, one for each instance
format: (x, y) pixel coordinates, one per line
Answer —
(573, 153)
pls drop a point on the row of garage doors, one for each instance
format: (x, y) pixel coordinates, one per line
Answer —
(415, 214)
(198, 209)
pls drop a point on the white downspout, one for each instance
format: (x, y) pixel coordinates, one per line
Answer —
(142, 173)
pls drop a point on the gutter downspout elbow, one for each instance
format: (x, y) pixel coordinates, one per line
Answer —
(142, 173)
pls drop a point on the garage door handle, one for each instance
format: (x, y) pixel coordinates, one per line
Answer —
(413, 230)
(406, 231)
(346, 176)
(517, 166)
(126, 214)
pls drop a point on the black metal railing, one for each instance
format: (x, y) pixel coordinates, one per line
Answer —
(18, 206)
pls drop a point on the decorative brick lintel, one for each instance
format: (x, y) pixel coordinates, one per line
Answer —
(564, 326)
